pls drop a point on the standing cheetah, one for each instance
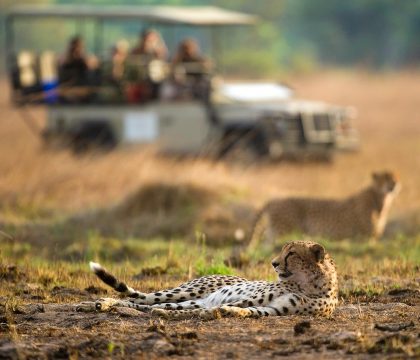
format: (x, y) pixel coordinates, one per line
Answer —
(362, 214)
(307, 284)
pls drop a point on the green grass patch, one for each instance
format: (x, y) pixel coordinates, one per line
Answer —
(366, 269)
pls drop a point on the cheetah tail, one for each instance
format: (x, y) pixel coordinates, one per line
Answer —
(112, 281)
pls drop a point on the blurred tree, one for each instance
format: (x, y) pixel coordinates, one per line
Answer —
(293, 34)
(370, 32)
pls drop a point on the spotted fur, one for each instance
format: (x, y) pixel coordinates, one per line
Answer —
(361, 215)
(307, 284)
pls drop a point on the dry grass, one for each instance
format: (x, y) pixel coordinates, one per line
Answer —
(388, 107)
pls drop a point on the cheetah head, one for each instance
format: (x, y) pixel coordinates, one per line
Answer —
(386, 182)
(307, 264)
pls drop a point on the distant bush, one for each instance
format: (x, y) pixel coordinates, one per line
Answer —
(250, 62)
(302, 62)
(253, 63)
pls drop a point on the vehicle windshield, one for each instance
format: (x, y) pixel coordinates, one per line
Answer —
(255, 92)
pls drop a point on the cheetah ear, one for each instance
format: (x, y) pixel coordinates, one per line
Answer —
(318, 251)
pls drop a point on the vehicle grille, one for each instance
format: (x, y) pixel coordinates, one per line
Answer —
(289, 129)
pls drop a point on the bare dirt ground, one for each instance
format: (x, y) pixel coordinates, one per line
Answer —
(43, 270)
(377, 327)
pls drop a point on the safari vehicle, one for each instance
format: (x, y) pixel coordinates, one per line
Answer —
(216, 117)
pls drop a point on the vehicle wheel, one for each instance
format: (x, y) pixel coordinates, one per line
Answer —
(238, 148)
(92, 135)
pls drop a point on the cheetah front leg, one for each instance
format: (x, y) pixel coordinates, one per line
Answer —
(194, 304)
(104, 304)
(263, 233)
(253, 311)
(192, 309)
(283, 305)
(203, 314)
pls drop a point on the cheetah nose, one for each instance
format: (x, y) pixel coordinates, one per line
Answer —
(275, 264)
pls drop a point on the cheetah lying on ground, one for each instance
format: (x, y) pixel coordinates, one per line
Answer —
(307, 285)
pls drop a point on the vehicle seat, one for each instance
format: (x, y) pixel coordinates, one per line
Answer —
(193, 80)
(27, 68)
(49, 75)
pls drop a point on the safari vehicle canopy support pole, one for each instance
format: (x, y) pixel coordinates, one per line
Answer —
(9, 45)
(217, 47)
(9, 37)
(99, 37)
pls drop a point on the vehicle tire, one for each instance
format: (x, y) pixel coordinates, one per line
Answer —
(92, 135)
(240, 146)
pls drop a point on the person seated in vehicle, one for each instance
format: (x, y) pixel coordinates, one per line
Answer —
(112, 74)
(119, 54)
(76, 70)
(146, 67)
(74, 64)
(151, 46)
(191, 68)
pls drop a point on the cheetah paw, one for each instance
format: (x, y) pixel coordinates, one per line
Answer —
(226, 311)
(223, 311)
(85, 306)
(206, 314)
(160, 312)
(105, 304)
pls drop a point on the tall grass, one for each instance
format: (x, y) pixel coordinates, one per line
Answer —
(35, 181)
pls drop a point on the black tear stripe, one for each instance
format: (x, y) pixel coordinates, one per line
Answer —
(285, 260)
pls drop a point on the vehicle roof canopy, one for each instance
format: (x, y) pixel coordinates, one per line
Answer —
(192, 15)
